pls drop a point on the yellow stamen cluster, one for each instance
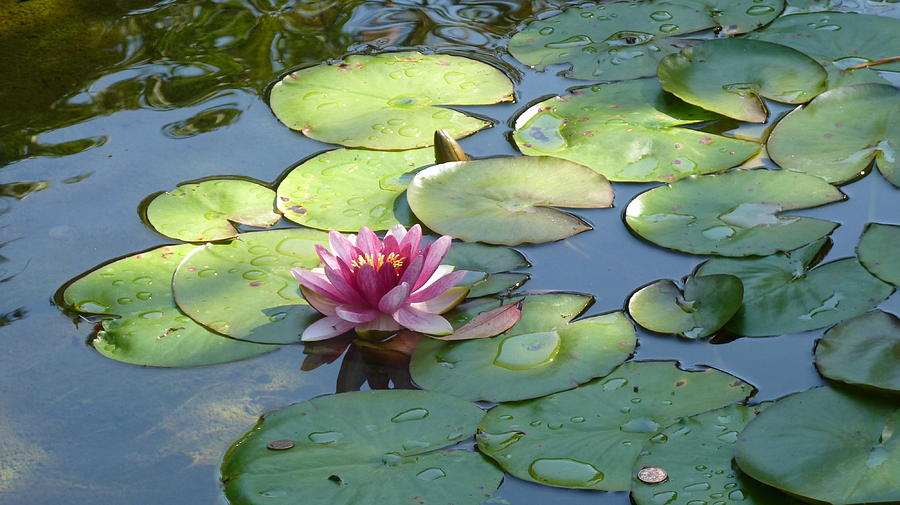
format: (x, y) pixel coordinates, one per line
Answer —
(379, 261)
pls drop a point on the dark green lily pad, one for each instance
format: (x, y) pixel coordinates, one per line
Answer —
(590, 437)
(347, 189)
(733, 214)
(382, 447)
(492, 263)
(732, 76)
(543, 353)
(706, 304)
(627, 132)
(204, 211)
(823, 139)
(507, 200)
(788, 445)
(150, 330)
(863, 351)
(877, 251)
(783, 293)
(389, 100)
(497, 283)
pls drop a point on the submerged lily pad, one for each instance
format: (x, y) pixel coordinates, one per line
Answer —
(389, 100)
(347, 189)
(385, 446)
(244, 289)
(863, 351)
(878, 251)
(591, 436)
(783, 293)
(733, 214)
(150, 330)
(204, 211)
(731, 76)
(507, 200)
(786, 446)
(543, 353)
(626, 131)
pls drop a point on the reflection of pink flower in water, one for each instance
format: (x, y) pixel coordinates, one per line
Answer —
(374, 285)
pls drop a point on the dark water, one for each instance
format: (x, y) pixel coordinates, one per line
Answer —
(135, 97)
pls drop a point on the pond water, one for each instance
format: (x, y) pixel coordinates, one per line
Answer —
(134, 97)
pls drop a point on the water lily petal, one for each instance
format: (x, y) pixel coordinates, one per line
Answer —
(368, 242)
(410, 243)
(443, 302)
(393, 299)
(326, 327)
(369, 285)
(435, 253)
(416, 320)
(327, 258)
(383, 322)
(398, 231)
(342, 246)
(356, 315)
(412, 270)
(343, 284)
(321, 303)
(439, 272)
(318, 283)
(437, 287)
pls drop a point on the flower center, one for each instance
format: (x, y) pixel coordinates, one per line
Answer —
(393, 259)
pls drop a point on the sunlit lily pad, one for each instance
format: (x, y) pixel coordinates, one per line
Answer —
(150, 330)
(389, 100)
(733, 214)
(507, 200)
(205, 211)
(878, 251)
(244, 289)
(347, 189)
(863, 351)
(783, 293)
(732, 76)
(542, 354)
(591, 436)
(384, 447)
(827, 445)
(626, 131)
(706, 304)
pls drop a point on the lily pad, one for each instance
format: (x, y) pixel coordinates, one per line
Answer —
(347, 189)
(733, 214)
(863, 351)
(389, 100)
(385, 446)
(149, 328)
(823, 139)
(786, 445)
(732, 76)
(625, 40)
(507, 200)
(244, 289)
(705, 306)
(877, 251)
(490, 265)
(627, 132)
(543, 353)
(497, 283)
(205, 211)
(783, 293)
(591, 436)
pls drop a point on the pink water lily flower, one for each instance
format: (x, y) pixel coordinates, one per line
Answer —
(374, 285)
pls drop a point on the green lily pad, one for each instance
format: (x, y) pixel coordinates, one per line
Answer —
(731, 77)
(363, 447)
(705, 306)
(877, 251)
(244, 289)
(204, 211)
(347, 189)
(150, 330)
(783, 293)
(389, 100)
(543, 353)
(823, 139)
(591, 436)
(615, 41)
(863, 351)
(507, 200)
(627, 132)
(497, 283)
(733, 214)
(786, 446)
(491, 264)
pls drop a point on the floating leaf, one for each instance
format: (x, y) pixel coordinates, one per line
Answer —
(877, 251)
(204, 211)
(490, 266)
(388, 101)
(507, 200)
(150, 330)
(589, 437)
(497, 283)
(385, 446)
(626, 131)
(786, 445)
(705, 306)
(862, 351)
(347, 189)
(543, 353)
(733, 214)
